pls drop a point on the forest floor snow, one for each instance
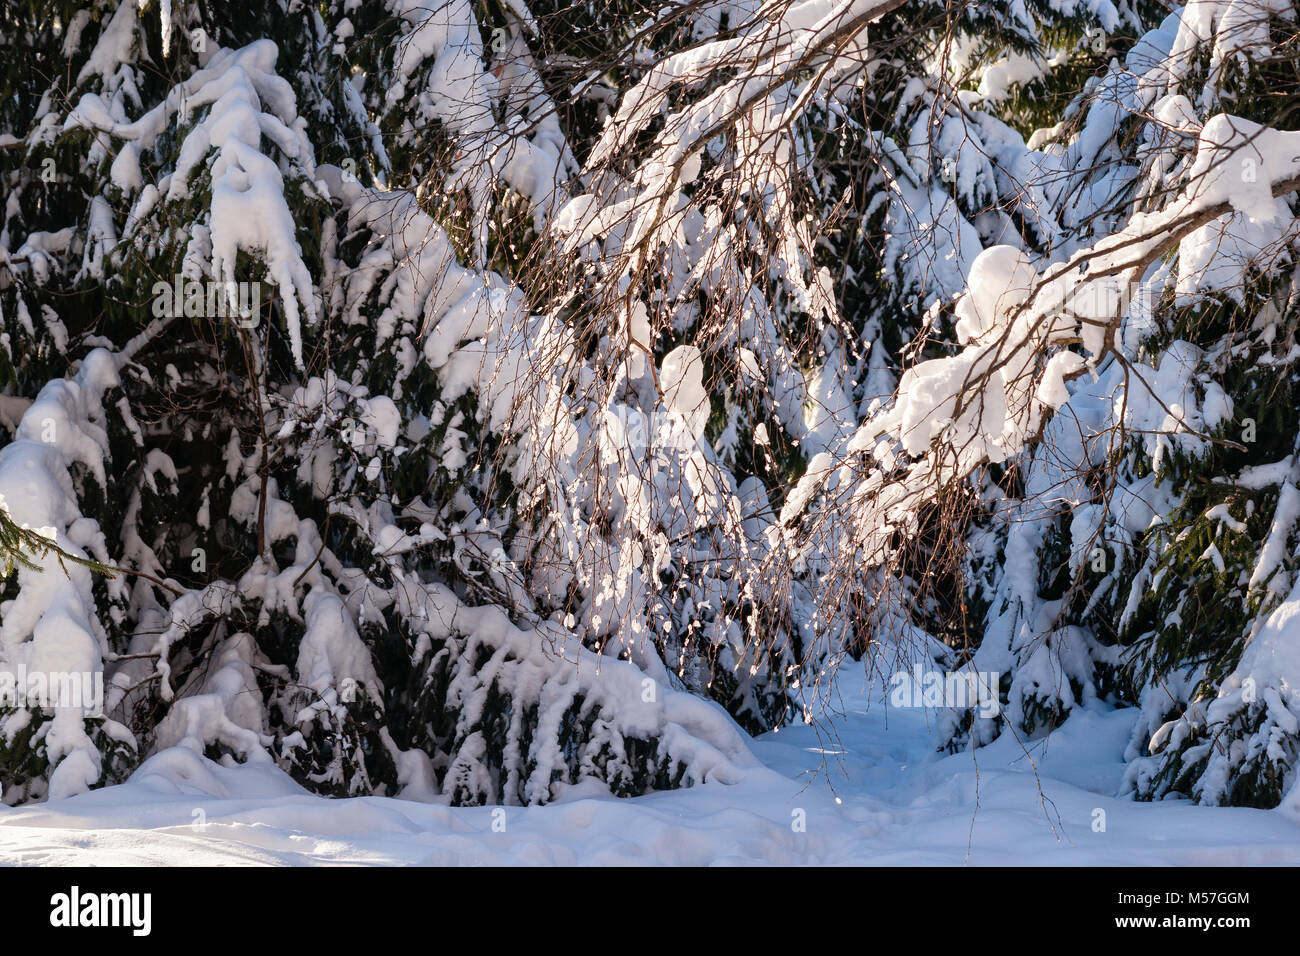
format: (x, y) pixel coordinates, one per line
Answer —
(859, 786)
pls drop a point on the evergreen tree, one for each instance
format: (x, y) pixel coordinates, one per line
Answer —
(463, 400)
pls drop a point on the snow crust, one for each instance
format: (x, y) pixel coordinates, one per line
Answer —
(877, 795)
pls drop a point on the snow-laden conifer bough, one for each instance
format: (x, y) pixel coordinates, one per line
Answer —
(619, 373)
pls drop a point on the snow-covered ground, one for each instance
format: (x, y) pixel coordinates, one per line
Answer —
(875, 793)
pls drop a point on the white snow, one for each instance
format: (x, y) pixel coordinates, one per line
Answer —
(248, 210)
(681, 376)
(51, 625)
(867, 781)
(1000, 278)
(1029, 326)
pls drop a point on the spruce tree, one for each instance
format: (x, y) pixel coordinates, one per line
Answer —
(464, 400)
